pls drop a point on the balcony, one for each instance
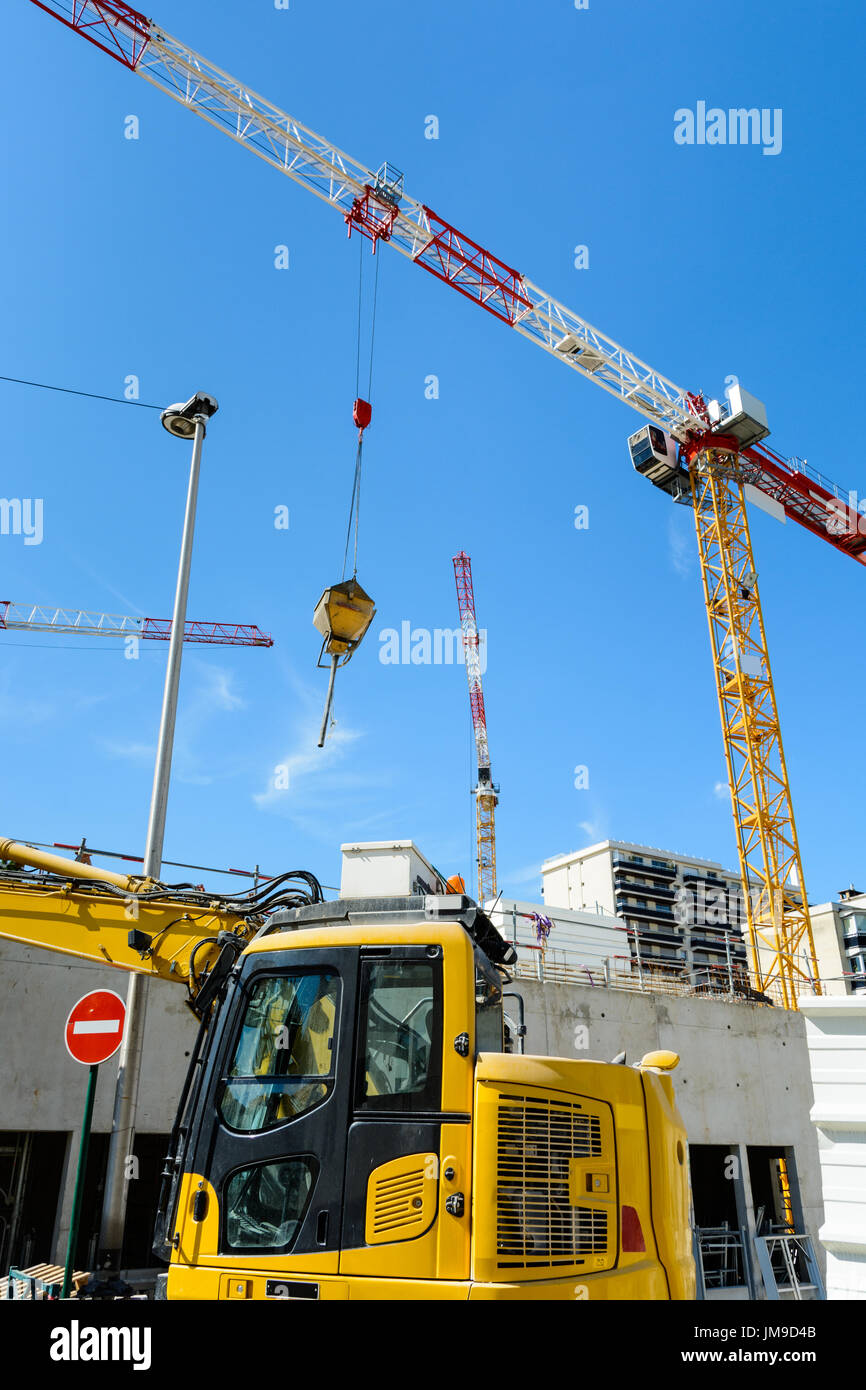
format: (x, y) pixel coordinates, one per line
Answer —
(661, 936)
(658, 890)
(707, 876)
(621, 862)
(658, 914)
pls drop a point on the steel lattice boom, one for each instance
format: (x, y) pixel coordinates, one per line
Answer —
(427, 239)
(35, 617)
(485, 792)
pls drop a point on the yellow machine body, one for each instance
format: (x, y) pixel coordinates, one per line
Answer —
(570, 1176)
(354, 1124)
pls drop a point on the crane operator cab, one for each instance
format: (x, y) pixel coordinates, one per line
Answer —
(352, 1127)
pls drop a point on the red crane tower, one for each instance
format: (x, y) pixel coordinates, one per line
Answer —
(485, 792)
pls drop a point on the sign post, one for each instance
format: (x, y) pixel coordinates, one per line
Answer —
(94, 1030)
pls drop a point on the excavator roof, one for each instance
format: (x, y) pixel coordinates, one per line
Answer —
(401, 911)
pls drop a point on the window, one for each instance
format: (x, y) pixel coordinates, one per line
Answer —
(264, 1205)
(488, 1011)
(283, 1063)
(400, 1043)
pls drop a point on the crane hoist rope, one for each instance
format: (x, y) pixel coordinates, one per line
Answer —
(362, 411)
(345, 611)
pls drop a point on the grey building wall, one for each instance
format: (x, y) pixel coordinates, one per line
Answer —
(43, 1088)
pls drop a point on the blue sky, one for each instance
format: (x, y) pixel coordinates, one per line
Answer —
(155, 258)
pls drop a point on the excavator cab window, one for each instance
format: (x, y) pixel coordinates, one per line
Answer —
(400, 1029)
(283, 1062)
(489, 1019)
(265, 1204)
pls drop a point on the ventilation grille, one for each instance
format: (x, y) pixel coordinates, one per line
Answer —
(399, 1204)
(535, 1222)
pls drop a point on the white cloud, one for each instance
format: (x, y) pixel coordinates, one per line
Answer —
(322, 791)
(129, 750)
(594, 829)
(530, 873)
(721, 791)
(305, 760)
(216, 693)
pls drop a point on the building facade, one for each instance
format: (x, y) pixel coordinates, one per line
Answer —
(685, 915)
(839, 931)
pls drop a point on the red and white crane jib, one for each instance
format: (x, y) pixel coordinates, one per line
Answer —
(119, 30)
(417, 232)
(34, 617)
(414, 229)
(469, 628)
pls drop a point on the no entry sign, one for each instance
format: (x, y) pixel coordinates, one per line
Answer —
(94, 1028)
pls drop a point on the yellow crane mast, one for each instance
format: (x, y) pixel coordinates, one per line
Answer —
(781, 947)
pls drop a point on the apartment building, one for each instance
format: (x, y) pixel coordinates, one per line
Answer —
(839, 932)
(685, 914)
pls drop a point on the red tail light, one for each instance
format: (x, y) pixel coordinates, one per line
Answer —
(632, 1235)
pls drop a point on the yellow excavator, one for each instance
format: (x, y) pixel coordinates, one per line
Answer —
(354, 1123)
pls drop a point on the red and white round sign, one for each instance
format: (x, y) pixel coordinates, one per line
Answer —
(94, 1028)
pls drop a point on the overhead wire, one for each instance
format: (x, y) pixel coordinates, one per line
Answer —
(71, 391)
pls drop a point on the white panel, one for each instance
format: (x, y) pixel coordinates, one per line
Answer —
(383, 868)
(836, 1038)
(766, 504)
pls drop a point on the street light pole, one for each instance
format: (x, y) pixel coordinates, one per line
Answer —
(189, 421)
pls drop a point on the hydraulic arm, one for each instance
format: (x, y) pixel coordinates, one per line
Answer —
(180, 933)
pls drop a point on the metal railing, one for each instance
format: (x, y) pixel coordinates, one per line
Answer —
(643, 976)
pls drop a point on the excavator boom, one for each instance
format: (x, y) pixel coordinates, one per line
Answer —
(175, 933)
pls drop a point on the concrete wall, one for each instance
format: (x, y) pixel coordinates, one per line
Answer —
(43, 1088)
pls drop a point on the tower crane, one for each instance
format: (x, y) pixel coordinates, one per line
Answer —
(38, 617)
(710, 457)
(485, 792)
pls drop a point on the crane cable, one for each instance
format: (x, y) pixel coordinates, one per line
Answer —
(355, 504)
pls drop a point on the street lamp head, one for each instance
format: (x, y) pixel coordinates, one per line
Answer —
(179, 419)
